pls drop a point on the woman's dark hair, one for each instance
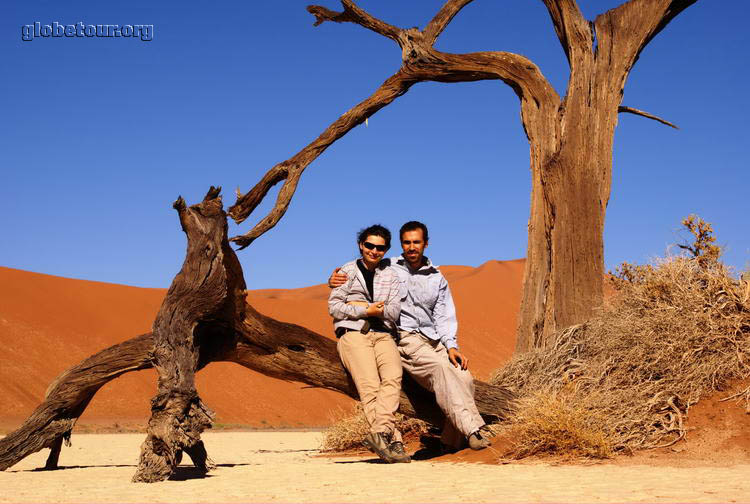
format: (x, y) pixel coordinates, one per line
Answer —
(375, 230)
(413, 226)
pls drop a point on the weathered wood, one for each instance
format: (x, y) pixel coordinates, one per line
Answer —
(68, 396)
(54, 453)
(570, 141)
(635, 111)
(209, 291)
(444, 16)
(571, 181)
(297, 354)
(222, 327)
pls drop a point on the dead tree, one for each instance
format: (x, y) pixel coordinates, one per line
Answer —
(204, 318)
(570, 140)
(208, 292)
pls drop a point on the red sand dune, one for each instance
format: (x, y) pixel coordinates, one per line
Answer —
(48, 324)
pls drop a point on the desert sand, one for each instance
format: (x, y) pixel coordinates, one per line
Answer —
(49, 323)
(285, 467)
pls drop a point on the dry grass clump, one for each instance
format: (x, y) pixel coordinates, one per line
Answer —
(346, 431)
(549, 423)
(678, 330)
(350, 427)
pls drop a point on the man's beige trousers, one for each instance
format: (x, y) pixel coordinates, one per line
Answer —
(373, 361)
(427, 362)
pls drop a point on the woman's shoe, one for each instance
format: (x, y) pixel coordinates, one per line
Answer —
(376, 443)
(397, 452)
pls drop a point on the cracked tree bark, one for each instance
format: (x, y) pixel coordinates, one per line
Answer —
(571, 178)
(208, 293)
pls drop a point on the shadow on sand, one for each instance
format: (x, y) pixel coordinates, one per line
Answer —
(182, 473)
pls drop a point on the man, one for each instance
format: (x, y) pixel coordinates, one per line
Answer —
(427, 345)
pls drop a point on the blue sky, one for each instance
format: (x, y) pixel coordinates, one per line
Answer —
(99, 135)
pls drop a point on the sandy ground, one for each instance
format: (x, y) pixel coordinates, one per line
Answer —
(49, 323)
(285, 467)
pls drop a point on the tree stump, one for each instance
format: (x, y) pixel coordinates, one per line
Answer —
(208, 293)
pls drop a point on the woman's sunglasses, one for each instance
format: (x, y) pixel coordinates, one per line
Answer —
(370, 246)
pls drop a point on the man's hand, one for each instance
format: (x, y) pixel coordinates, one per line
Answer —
(457, 358)
(375, 309)
(337, 279)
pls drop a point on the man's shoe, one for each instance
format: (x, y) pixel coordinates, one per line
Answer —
(397, 452)
(376, 443)
(447, 449)
(477, 441)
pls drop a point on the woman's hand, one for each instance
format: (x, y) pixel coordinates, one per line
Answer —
(363, 304)
(376, 309)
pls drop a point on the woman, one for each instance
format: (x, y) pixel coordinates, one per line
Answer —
(365, 311)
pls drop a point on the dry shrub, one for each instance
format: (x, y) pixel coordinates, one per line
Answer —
(348, 428)
(552, 424)
(346, 431)
(678, 330)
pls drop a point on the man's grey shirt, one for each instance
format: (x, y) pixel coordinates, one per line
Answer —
(426, 302)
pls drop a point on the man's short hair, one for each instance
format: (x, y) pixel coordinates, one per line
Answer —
(413, 226)
(375, 230)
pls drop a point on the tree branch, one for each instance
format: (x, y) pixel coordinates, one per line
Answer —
(623, 32)
(253, 198)
(420, 62)
(353, 14)
(68, 396)
(631, 110)
(515, 70)
(260, 343)
(290, 352)
(291, 169)
(673, 8)
(571, 27)
(539, 100)
(438, 23)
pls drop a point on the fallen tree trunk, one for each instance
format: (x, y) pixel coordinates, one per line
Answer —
(67, 398)
(219, 328)
(73, 390)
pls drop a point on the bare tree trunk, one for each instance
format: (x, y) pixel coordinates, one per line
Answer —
(209, 291)
(564, 267)
(571, 179)
(202, 322)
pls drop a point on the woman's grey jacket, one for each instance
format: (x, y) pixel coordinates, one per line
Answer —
(385, 288)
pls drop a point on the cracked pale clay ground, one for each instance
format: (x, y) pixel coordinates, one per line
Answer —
(272, 466)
